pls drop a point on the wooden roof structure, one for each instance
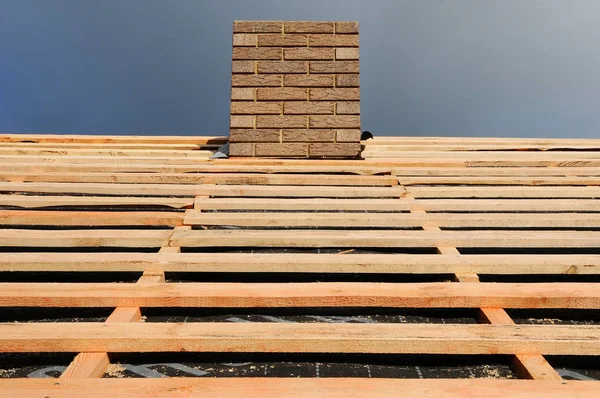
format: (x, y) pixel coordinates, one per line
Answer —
(522, 214)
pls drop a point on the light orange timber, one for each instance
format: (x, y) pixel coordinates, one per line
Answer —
(59, 138)
(504, 192)
(304, 262)
(84, 238)
(392, 205)
(301, 337)
(397, 220)
(335, 294)
(42, 201)
(198, 178)
(92, 218)
(298, 387)
(384, 238)
(200, 190)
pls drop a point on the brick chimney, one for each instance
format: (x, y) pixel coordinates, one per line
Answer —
(295, 90)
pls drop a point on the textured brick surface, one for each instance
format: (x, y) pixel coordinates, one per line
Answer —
(328, 150)
(309, 108)
(295, 89)
(251, 135)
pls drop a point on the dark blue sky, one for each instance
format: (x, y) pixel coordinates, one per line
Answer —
(428, 67)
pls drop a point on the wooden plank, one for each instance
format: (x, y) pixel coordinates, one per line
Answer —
(89, 218)
(89, 138)
(107, 165)
(373, 152)
(33, 202)
(395, 220)
(60, 151)
(394, 205)
(385, 238)
(196, 178)
(504, 192)
(200, 190)
(298, 387)
(494, 171)
(387, 163)
(445, 339)
(504, 264)
(149, 293)
(501, 180)
(84, 238)
(486, 148)
(108, 145)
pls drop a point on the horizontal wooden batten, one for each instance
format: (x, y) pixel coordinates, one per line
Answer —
(84, 238)
(301, 337)
(501, 180)
(392, 205)
(299, 387)
(89, 218)
(505, 264)
(44, 201)
(384, 238)
(337, 294)
(197, 178)
(116, 139)
(201, 190)
(503, 192)
(402, 220)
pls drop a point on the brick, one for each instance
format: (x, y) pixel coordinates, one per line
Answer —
(287, 93)
(308, 53)
(334, 67)
(282, 41)
(283, 67)
(334, 94)
(308, 108)
(348, 108)
(308, 80)
(258, 27)
(282, 150)
(257, 53)
(308, 135)
(247, 135)
(284, 122)
(346, 53)
(347, 81)
(256, 80)
(320, 122)
(243, 67)
(348, 135)
(244, 40)
(309, 27)
(240, 149)
(334, 150)
(241, 122)
(256, 108)
(333, 40)
(346, 27)
(242, 94)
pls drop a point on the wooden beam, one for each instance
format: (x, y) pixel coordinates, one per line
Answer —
(147, 293)
(396, 220)
(89, 218)
(200, 190)
(298, 387)
(37, 202)
(382, 338)
(84, 238)
(200, 178)
(88, 138)
(503, 192)
(503, 264)
(384, 238)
